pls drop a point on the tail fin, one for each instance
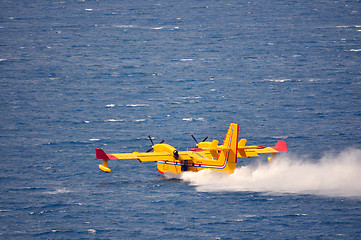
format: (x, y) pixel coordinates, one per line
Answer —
(241, 146)
(230, 145)
(100, 154)
(281, 146)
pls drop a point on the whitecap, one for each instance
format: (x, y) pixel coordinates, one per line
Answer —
(94, 139)
(193, 119)
(349, 26)
(157, 28)
(114, 120)
(110, 105)
(199, 119)
(282, 80)
(137, 105)
(58, 191)
(280, 137)
(187, 119)
(355, 50)
(186, 59)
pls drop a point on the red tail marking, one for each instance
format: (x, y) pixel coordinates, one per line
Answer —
(281, 146)
(100, 154)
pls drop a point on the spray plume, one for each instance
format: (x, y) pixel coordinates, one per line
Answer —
(332, 175)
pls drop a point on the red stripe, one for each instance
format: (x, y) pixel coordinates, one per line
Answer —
(112, 157)
(237, 145)
(160, 171)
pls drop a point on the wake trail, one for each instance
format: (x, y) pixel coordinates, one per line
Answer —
(332, 175)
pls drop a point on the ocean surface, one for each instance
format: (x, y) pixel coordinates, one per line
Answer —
(80, 75)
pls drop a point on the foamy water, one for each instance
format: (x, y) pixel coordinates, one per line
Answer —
(335, 175)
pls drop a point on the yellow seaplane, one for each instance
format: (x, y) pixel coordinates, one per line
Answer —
(207, 155)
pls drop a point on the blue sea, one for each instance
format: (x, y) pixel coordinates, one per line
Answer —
(79, 75)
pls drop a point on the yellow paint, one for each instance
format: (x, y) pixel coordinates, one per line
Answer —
(104, 168)
(208, 155)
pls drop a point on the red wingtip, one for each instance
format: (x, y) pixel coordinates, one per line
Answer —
(100, 154)
(281, 146)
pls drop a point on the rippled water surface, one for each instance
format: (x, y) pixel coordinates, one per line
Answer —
(76, 75)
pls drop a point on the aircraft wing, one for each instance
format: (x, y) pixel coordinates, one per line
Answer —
(253, 151)
(142, 157)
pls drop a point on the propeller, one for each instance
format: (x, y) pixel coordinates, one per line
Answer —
(196, 139)
(150, 138)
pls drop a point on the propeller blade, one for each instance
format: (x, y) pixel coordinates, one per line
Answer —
(151, 140)
(194, 138)
(205, 139)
